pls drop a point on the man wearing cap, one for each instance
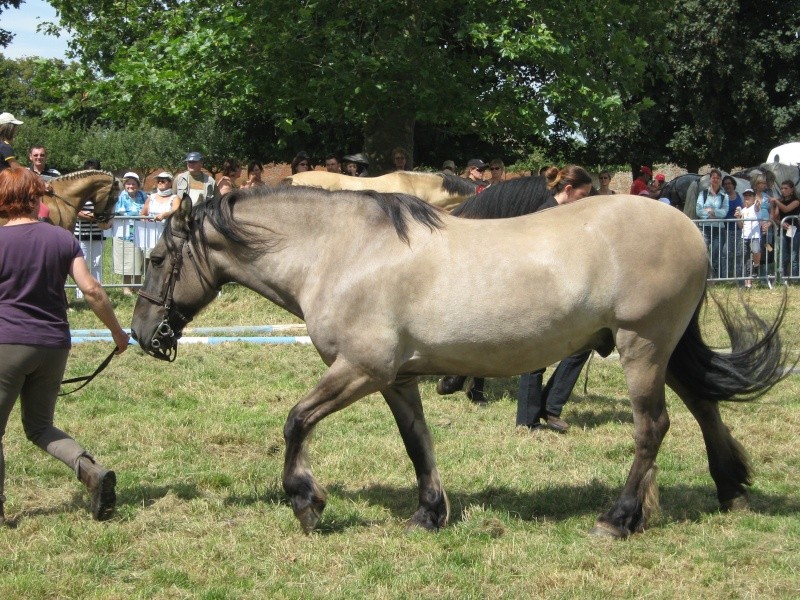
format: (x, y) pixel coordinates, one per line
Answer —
(8, 128)
(449, 167)
(194, 181)
(475, 169)
(640, 184)
(656, 186)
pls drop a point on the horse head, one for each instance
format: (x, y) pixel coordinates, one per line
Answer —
(176, 286)
(71, 192)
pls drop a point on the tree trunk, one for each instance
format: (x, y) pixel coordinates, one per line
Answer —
(384, 134)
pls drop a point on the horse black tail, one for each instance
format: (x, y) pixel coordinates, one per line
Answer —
(756, 363)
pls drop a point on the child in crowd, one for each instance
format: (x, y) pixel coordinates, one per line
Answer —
(751, 235)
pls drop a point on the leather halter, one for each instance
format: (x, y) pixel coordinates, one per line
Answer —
(164, 343)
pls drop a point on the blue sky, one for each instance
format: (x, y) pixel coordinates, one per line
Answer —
(22, 22)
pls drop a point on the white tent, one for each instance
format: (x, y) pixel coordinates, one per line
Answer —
(787, 154)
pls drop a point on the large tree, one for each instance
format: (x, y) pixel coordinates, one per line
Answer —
(724, 87)
(508, 70)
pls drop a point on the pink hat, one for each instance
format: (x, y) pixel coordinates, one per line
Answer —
(660, 177)
(646, 170)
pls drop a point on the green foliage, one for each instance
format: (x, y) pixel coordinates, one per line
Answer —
(722, 86)
(504, 70)
(68, 146)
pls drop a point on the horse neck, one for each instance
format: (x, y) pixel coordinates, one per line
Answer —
(305, 238)
(69, 197)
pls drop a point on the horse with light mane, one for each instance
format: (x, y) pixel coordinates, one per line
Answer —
(391, 288)
(442, 190)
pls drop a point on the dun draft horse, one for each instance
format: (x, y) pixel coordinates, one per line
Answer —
(391, 288)
(438, 189)
(71, 192)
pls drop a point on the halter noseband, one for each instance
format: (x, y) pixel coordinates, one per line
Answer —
(164, 343)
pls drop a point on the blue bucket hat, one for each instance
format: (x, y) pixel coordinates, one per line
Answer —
(193, 156)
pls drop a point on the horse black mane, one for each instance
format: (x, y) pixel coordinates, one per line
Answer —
(453, 184)
(400, 209)
(510, 198)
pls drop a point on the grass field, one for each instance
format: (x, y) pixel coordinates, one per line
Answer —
(197, 446)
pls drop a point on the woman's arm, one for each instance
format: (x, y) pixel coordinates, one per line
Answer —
(98, 301)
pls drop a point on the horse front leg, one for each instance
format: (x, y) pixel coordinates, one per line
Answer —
(339, 387)
(651, 422)
(404, 401)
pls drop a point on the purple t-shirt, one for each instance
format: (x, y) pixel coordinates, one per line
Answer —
(34, 263)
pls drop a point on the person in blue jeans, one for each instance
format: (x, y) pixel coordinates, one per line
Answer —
(537, 407)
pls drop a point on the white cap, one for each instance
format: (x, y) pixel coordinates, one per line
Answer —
(131, 175)
(6, 118)
(164, 175)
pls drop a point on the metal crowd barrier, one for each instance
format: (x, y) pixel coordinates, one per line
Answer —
(726, 251)
(121, 257)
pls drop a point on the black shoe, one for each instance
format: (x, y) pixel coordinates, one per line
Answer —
(557, 424)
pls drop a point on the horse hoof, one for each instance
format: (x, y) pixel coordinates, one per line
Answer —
(737, 504)
(450, 384)
(424, 519)
(308, 513)
(606, 530)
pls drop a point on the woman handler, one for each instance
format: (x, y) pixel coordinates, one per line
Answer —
(35, 259)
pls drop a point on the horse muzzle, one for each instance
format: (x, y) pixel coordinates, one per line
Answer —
(163, 344)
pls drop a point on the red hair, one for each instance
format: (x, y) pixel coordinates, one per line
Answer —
(20, 192)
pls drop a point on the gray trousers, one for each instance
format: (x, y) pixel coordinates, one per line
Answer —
(33, 374)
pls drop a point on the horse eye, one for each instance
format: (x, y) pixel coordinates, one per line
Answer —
(156, 261)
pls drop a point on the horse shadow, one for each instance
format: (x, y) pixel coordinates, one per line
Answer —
(679, 503)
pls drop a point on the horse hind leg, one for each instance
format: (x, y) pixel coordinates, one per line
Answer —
(404, 401)
(339, 387)
(727, 460)
(639, 497)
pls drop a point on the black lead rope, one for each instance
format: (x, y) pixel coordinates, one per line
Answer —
(87, 378)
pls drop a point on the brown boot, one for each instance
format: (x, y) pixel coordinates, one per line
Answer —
(100, 482)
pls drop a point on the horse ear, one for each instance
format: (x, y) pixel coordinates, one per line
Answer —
(182, 216)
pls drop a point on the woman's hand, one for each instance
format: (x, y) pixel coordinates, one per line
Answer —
(121, 339)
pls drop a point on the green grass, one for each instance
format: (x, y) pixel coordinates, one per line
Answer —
(197, 446)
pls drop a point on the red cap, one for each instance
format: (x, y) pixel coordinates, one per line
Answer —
(660, 177)
(646, 170)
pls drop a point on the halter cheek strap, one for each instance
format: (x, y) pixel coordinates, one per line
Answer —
(163, 344)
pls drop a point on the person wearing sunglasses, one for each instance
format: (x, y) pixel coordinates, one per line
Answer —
(475, 170)
(301, 163)
(497, 171)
